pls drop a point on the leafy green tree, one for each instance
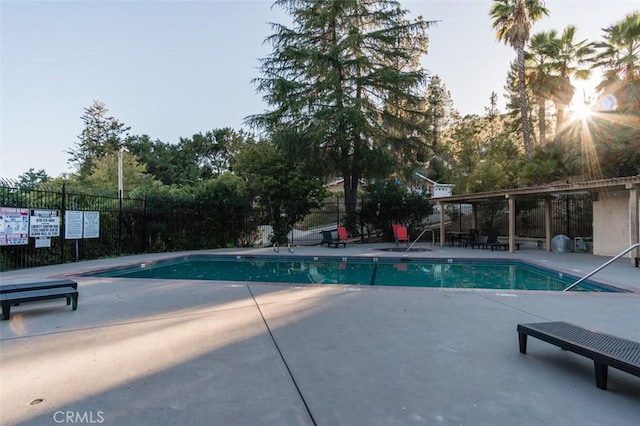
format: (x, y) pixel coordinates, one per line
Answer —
(158, 157)
(193, 160)
(512, 20)
(387, 202)
(101, 135)
(549, 164)
(227, 208)
(480, 162)
(619, 56)
(286, 193)
(32, 179)
(612, 149)
(104, 174)
(343, 69)
(212, 152)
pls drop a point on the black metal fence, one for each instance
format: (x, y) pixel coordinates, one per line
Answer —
(131, 226)
(126, 226)
(571, 215)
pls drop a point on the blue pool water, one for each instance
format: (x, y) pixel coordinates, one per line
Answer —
(447, 273)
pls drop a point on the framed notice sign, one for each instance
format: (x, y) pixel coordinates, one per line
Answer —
(14, 226)
(91, 227)
(44, 223)
(78, 225)
(72, 225)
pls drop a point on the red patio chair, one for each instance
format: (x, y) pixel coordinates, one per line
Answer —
(400, 233)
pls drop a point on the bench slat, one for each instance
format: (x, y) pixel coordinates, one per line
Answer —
(11, 288)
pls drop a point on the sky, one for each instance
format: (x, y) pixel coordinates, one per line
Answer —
(172, 69)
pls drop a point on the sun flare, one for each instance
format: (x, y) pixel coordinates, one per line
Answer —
(581, 110)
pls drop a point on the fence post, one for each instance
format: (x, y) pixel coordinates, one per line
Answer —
(360, 219)
(120, 223)
(145, 236)
(62, 229)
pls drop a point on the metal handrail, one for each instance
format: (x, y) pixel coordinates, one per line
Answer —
(419, 236)
(603, 266)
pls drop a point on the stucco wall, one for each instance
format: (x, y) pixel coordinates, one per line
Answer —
(611, 223)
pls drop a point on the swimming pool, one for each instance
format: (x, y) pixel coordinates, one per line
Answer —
(404, 272)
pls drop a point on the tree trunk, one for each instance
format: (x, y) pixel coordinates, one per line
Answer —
(350, 201)
(524, 107)
(542, 121)
(559, 119)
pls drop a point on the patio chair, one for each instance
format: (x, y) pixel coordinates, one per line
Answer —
(329, 239)
(342, 236)
(400, 233)
(473, 239)
(492, 241)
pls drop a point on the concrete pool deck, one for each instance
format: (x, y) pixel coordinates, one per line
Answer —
(152, 352)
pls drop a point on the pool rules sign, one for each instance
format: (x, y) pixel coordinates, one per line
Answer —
(79, 224)
(14, 226)
(44, 224)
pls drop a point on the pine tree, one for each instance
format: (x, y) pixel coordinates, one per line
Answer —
(101, 135)
(344, 69)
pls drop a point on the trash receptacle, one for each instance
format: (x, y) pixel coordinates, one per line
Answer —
(561, 244)
(579, 244)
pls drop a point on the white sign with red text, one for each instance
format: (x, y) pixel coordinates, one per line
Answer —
(14, 226)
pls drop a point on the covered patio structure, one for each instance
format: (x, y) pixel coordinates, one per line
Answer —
(616, 211)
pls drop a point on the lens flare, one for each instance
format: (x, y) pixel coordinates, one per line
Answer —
(581, 110)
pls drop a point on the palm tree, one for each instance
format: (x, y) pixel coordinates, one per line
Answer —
(543, 48)
(569, 64)
(619, 55)
(512, 20)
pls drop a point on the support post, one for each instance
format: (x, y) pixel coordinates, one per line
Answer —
(547, 224)
(634, 220)
(512, 224)
(442, 227)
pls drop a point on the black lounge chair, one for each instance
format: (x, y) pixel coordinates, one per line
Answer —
(473, 239)
(329, 239)
(493, 243)
(604, 349)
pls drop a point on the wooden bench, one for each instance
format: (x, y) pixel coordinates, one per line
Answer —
(605, 350)
(16, 297)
